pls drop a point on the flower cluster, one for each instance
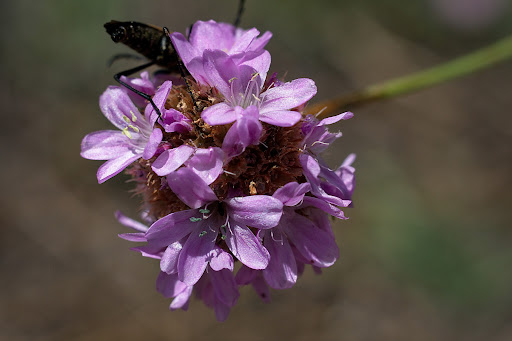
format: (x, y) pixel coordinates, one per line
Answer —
(229, 170)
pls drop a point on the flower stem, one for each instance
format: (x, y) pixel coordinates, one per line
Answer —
(472, 62)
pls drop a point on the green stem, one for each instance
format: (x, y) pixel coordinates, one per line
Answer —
(480, 59)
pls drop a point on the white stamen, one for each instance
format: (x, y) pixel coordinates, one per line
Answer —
(320, 142)
(323, 109)
(281, 241)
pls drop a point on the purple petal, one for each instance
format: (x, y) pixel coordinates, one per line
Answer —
(245, 132)
(349, 160)
(190, 188)
(261, 288)
(169, 285)
(259, 211)
(340, 186)
(169, 261)
(220, 71)
(310, 166)
(288, 96)
(210, 35)
(258, 63)
(172, 227)
(320, 219)
(113, 167)
(312, 170)
(333, 119)
(346, 173)
(221, 311)
(159, 99)
(171, 159)
(116, 105)
(219, 114)
(281, 272)
(150, 251)
(154, 140)
(245, 275)
(185, 50)
(292, 193)
(142, 84)
(324, 206)
(207, 163)
(282, 118)
(259, 43)
(245, 246)
(133, 237)
(196, 69)
(220, 259)
(182, 299)
(193, 257)
(130, 222)
(300, 268)
(316, 245)
(105, 145)
(175, 121)
(243, 41)
(224, 286)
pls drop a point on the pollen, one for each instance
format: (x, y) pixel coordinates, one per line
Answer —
(127, 133)
(134, 128)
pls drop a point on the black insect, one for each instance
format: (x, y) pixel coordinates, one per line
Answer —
(148, 40)
(153, 43)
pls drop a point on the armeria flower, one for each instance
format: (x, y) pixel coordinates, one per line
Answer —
(236, 65)
(137, 138)
(204, 36)
(230, 171)
(246, 100)
(217, 288)
(335, 187)
(298, 238)
(210, 223)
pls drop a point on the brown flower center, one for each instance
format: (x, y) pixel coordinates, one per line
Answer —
(261, 169)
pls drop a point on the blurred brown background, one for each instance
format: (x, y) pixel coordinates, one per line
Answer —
(426, 254)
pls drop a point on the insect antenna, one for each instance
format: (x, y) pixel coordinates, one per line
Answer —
(120, 56)
(147, 97)
(241, 7)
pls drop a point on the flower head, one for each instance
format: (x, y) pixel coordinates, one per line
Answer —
(229, 172)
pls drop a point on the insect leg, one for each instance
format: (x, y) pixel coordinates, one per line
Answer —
(182, 71)
(147, 97)
(241, 7)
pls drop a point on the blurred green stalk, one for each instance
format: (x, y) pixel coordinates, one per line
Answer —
(472, 62)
